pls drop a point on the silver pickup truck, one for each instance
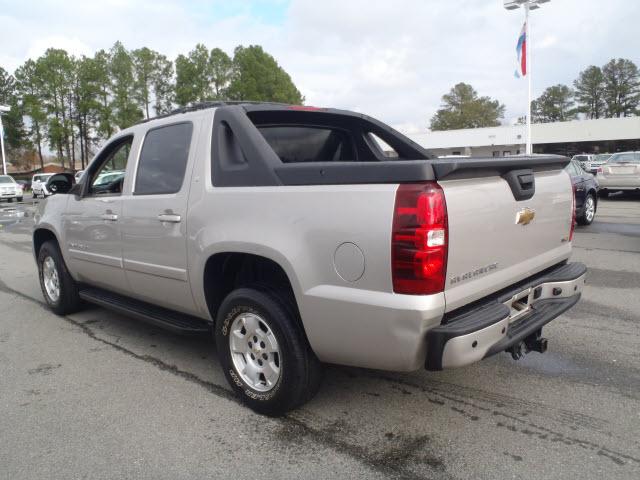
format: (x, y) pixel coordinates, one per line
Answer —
(301, 236)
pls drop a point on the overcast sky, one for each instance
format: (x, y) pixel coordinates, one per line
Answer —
(392, 59)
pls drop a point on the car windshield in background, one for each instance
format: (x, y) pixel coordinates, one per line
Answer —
(631, 157)
(6, 179)
(603, 157)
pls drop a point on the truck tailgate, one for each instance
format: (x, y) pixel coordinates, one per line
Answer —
(496, 240)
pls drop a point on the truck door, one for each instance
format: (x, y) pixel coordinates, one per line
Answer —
(92, 222)
(154, 222)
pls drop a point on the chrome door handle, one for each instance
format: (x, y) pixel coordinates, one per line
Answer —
(169, 217)
(112, 217)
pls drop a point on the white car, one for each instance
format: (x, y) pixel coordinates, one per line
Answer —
(9, 189)
(78, 175)
(585, 160)
(38, 185)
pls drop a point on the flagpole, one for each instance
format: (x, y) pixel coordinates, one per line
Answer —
(529, 45)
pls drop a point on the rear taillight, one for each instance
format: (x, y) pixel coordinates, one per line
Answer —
(573, 213)
(419, 239)
(598, 170)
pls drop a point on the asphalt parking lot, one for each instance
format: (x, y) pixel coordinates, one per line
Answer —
(97, 395)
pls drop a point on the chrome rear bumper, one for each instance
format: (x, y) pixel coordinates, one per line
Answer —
(505, 319)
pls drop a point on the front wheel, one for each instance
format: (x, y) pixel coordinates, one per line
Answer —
(263, 351)
(58, 287)
(588, 212)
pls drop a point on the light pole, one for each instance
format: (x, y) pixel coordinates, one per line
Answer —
(527, 5)
(3, 109)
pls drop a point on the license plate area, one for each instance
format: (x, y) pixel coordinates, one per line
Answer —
(520, 304)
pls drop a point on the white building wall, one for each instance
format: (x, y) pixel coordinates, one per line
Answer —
(485, 141)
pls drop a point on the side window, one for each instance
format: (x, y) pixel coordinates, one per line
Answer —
(163, 159)
(108, 178)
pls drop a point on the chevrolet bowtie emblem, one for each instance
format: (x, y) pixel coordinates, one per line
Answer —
(525, 216)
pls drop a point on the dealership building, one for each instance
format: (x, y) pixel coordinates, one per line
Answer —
(605, 135)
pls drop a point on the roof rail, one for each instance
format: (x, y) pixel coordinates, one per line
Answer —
(209, 104)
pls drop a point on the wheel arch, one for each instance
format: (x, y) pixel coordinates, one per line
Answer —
(227, 270)
(42, 235)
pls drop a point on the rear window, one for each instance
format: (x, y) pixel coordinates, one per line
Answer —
(163, 159)
(300, 144)
(631, 157)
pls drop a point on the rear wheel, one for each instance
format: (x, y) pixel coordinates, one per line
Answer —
(58, 287)
(10, 200)
(19, 199)
(588, 211)
(263, 351)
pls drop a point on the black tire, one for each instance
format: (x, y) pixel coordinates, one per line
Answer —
(300, 370)
(19, 199)
(68, 300)
(10, 200)
(584, 219)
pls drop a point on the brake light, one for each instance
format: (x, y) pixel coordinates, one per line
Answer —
(419, 239)
(573, 213)
(598, 170)
(305, 108)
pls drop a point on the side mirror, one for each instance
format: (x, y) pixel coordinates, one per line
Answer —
(60, 183)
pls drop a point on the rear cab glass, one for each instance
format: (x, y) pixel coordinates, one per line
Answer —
(299, 143)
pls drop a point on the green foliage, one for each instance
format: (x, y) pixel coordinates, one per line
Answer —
(258, 77)
(193, 76)
(621, 88)
(73, 104)
(126, 111)
(462, 108)
(554, 105)
(152, 80)
(589, 92)
(14, 133)
(30, 87)
(221, 69)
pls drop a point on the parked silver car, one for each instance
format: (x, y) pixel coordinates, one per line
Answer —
(597, 161)
(584, 159)
(9, 189)
(620, 173)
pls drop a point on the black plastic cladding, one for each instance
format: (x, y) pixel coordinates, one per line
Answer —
(242, 157)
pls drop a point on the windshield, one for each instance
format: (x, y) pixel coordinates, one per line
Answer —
(628, 157)
(603, 157)
(6, 179)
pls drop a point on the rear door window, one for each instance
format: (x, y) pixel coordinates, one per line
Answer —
(300, 144)
(163, 159)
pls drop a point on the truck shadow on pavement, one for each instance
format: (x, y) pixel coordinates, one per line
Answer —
(341, 415)
(401, 425)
